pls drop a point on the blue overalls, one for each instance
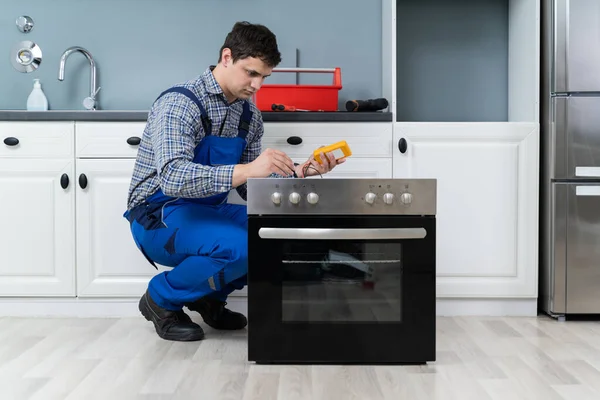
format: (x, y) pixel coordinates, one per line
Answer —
(204, 239)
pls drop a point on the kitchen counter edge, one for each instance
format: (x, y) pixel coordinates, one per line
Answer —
(141, 116)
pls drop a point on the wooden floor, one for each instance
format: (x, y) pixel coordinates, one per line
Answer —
(478, 358)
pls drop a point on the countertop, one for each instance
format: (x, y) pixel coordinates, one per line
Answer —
(140, 116)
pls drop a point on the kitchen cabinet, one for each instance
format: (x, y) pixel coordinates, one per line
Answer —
(369, 142)
(463, 79)
(37, 243)
(487, 204)
(366, 139)
(108, 262)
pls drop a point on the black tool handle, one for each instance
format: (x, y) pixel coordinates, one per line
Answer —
(366, 105)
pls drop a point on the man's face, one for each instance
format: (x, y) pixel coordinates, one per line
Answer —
(245, 76)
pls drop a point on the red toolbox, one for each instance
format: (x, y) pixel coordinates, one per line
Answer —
(305, 97)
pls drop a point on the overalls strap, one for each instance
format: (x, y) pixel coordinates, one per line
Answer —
(206, 122)
(245, 120)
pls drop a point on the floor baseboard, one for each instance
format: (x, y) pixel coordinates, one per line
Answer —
(82, 308)
(487, 307)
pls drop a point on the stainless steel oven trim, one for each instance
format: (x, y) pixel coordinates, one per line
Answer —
(342, 234)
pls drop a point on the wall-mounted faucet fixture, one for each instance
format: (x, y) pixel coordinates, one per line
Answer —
(25, 23)
(89, 102)
(26, 56)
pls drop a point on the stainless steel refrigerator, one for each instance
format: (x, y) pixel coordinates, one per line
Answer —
(570, 157)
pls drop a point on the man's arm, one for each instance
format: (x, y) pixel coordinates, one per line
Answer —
(251, 152)
(173, 141)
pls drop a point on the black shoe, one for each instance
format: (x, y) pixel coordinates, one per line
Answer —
(216, 315)
(170, 325)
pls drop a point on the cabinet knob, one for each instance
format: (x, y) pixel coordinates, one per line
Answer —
(83, 181)
(64, 181)
(402, 145)
(294, 140)
(11, 141)
(134, 141)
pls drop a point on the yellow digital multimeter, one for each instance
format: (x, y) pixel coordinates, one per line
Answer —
(339, 150)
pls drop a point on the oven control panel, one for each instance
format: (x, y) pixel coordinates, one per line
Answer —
(342, 196)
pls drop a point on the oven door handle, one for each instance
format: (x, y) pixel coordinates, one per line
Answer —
(342, 234)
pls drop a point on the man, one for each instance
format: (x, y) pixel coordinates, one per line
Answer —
(202, 139)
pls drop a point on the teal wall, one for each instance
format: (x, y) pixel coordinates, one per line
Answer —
(144, 46)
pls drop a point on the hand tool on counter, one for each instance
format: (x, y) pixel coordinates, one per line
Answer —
(283, 107)
(367, 105)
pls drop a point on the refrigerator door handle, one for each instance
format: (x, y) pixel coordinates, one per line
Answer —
(557, 160)
(589, 172)
(559, 46)
(587, 190)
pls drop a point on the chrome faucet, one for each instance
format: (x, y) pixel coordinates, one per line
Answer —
(89, 102)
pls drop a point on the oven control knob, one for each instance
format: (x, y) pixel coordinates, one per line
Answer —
(312, 198)
(388, 198)
(294, 198)
(370, 197)
(406, 198)
(276, 198)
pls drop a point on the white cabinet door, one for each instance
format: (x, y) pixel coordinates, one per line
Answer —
(37, 240)
(487, 203)
(33, 139)
(108, 139)
(108, 262)
(365, 139)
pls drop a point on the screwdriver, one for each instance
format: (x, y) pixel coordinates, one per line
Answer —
(283, 107)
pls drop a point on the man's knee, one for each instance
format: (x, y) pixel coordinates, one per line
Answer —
(233, 247)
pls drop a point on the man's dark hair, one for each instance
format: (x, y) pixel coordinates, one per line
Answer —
(252, 40)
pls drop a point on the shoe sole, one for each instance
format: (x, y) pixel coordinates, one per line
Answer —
(221, 328)
(210, 322)
(192, 337)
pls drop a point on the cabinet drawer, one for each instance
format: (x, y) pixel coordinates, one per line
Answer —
(108, 139)
(368, 139)
(36, 139)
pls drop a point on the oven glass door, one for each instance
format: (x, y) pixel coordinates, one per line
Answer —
(341, 289)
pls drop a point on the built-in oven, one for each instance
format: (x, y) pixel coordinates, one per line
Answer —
(341, 270)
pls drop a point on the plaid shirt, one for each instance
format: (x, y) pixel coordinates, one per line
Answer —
(172, 132)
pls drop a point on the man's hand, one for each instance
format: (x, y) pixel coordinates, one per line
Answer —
(269, 162)
(312, 167)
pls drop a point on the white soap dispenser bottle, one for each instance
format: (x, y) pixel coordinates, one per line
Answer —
(37, 100)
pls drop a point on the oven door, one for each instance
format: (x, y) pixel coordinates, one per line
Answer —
(356, 289)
